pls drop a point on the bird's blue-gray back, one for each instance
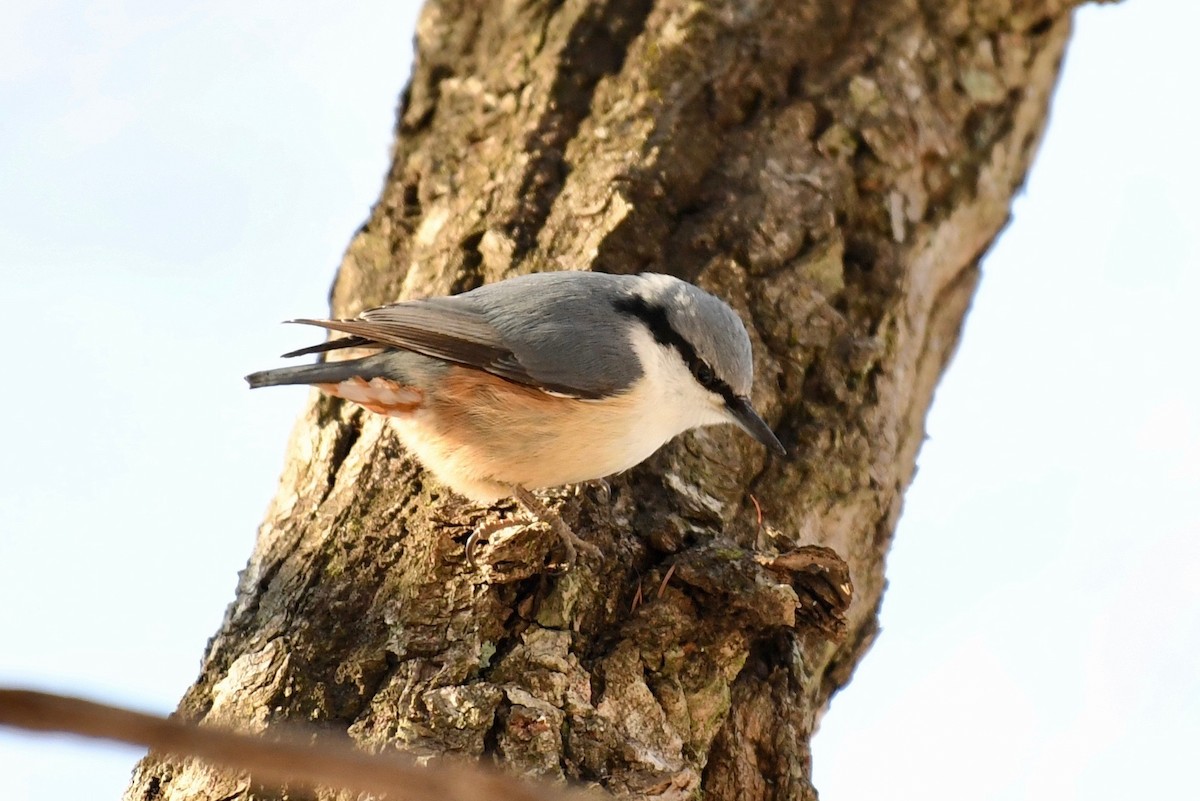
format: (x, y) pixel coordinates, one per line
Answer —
(560, 329)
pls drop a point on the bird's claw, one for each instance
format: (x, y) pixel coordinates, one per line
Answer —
(601, 487)
(571, 542)
(482, 534)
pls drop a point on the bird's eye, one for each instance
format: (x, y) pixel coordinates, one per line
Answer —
(705, 376)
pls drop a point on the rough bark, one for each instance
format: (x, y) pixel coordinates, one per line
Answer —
(835, 170)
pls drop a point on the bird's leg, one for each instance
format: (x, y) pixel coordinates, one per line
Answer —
(570, 540)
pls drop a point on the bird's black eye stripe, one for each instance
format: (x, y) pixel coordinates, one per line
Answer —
(655, 318)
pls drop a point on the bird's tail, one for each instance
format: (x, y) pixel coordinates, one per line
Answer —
(320, 373)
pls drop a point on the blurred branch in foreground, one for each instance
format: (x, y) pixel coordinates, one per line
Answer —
(292, 759)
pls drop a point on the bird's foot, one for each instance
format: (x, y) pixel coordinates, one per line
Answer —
(601, 487)
(482, 535)
(572, 542)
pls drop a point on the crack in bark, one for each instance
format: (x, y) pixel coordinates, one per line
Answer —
(348, 433)
(596, 46)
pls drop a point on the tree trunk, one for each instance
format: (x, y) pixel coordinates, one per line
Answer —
(835, 170)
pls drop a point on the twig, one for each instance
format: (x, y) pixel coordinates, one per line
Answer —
(288, 759)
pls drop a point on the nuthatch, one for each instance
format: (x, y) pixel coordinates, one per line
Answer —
(544, 379)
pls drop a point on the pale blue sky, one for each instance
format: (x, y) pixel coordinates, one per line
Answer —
(176, 178)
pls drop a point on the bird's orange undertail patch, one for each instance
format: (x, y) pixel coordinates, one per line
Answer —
(380, 395)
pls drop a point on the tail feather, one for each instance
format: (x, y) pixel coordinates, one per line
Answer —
(320, 373)
(333, 344)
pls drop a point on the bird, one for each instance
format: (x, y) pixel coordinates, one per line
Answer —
(542, 380)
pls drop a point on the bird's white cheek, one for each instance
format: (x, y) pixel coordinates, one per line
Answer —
(669, 399)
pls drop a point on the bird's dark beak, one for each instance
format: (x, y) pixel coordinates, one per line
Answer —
(745, 416)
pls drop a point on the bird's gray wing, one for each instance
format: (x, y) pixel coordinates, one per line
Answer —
(553, 331)
(443, 329)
